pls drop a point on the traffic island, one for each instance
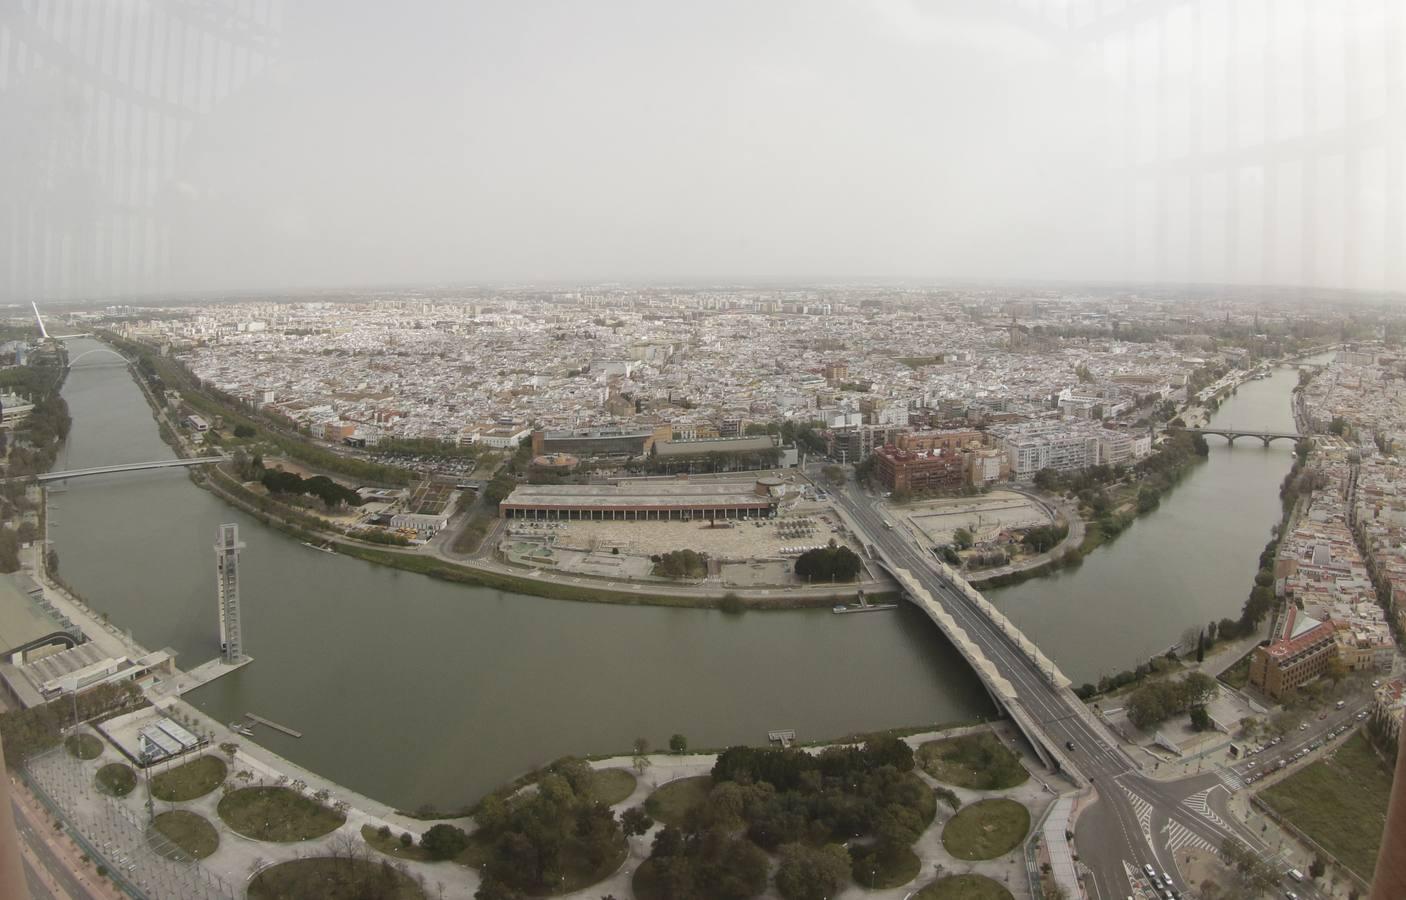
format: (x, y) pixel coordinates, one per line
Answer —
(342, 878)
(978, 762)
(194, 779)
(116, 779)
(986, 829)
(83, 745)
(181, 834)
(672, 803)
(612, 786)
(277, 814)
(960, 887)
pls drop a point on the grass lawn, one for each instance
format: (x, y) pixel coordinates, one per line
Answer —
(671, 803)
(977, 761)
(885, 870)
(579, 873)
(117, 779)
(83, 745)
(612, 786)
(1238, 675)
(961, 887)
(333, 879)
(986, 829)
(391, 846)
(188, 831)
(194, 779)
(1340, 802)
(277, 814)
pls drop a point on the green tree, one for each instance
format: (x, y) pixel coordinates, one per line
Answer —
(678, 744)
(809, 873)
(635, 821)
(963, 539)
(444, 841)
(1200, 719)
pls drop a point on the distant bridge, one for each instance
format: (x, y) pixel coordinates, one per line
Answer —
(1230, 433)
(122, 361)
(131, 467)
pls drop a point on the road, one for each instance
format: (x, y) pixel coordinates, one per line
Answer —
(1135, 820)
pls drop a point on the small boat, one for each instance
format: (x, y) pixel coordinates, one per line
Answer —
(324, 548)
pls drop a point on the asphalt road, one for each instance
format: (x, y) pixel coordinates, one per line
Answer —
(1136, 820)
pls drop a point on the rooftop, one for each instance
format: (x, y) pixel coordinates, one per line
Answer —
(653, 493)
(22, 623)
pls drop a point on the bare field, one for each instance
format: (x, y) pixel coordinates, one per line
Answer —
(984, 516)
(745, 540)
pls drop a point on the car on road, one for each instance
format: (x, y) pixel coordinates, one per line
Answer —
(1149, 870)
(1069, 745)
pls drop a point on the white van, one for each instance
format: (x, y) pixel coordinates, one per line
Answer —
(1296, 875)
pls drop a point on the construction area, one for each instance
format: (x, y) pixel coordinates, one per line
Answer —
(985, 516)
(732, 540)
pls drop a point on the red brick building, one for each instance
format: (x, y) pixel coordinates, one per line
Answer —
(916, 470)
(1292, 661)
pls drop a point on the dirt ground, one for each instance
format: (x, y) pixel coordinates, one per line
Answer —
(984, 516)
(747, 539)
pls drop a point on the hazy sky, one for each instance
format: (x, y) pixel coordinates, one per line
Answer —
(431, 141)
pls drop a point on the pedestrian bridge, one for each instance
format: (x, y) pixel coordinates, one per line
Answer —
(130, 467)
(1230, 433)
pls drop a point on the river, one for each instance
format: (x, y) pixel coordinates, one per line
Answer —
(1191, 561)
(412, 690)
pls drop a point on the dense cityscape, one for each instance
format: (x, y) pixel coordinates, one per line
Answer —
(825, 450)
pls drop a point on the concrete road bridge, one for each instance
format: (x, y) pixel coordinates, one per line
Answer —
(1230, 433)
(1127, 818)
(130, 467)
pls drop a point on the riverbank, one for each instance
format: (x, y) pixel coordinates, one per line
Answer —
(491, 573)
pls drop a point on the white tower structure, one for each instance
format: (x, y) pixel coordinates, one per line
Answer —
(227, 547)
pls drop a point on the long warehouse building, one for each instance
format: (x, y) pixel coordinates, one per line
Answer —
(677, 500)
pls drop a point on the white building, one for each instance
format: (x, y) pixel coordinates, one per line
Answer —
(1062, 446)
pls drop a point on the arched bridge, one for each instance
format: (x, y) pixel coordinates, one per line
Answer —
(121, 360)
(130, 467)
(1230, 433)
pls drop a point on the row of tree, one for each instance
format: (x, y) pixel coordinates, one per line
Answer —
(332, 494)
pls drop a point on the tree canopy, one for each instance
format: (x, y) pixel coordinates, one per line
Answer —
(832, 563)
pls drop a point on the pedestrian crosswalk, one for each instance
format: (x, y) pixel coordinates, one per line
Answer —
(1179, 836)
(1143, 810)
(1199, 803)
(1229, 779)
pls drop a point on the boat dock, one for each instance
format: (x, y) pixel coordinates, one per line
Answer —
(863, 605)
(274, 725)
(784, 738)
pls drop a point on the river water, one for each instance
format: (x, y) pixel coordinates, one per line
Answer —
(412, 690)
(1189, 562)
